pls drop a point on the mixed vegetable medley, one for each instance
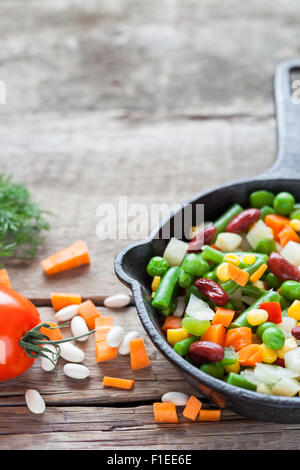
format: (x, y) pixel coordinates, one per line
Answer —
(230, 298)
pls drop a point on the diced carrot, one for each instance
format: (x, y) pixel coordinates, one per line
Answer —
(68, 258)
(210, 415)
(165, 413)
(4, 278)
(104, 352)
(115, 382)
(88, 311)
(223, 316)
(276, 222)
(53, 335)
(63, 299)
(172, 323)
(238, 337)
(258, 273)
(238, 275)
(103, 325)
(250, 355)
(138, 354)
(215, 334)
(192, 408)
(288, 234)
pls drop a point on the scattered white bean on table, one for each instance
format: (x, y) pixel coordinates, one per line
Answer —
(124, 347)
(178, 398)
(66, 313)
(117, 301)
(79, 327)
(71, 353)
(35, 401)
(115, 336)
(46, 364)
(76, 371)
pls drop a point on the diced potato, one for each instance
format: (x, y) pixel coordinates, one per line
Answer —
(263, 388)
(291, 252)
(286, 387)
(258, 232)
(287, 325)
(175, 252)
(199, 309)
(227, 241)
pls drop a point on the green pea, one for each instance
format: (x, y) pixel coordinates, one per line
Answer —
(273, 281)
(240, 381)
(230, 357)
(284, 203)
(185, 279)
(295, 214)
(203, 268)
(261, 198)
(191, 264)
(291, 290)
(216, 369)
(157, 266)
(263, 327)
(266, 210)
(195, 327)
(266, 246)
(273, 338)
(182, 347)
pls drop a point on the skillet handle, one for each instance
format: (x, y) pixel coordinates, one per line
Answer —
(287, 104)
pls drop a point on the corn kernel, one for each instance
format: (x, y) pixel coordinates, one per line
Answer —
(295, 224)
(259, 284)
(155, 283)
(249, 259)
(255, 339)
(233, 368)
(268, 355)
(232, 258)
(222, 272)
(176, 334)
(294, 310)
(289, 344)
(256, 316)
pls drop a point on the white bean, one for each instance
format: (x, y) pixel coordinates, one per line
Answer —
(115, 336)
(66, 313)
(79, 327)
(76, 371)
(46, 364)
(71, 353)
(117, 301)
(178, 398)
(124, 347)
(35, 402)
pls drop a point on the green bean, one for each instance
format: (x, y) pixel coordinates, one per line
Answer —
(166, 288)
(240, 381)
(215, 369)
(211, 254)
(173, 303)
(185, 279)
(222, 222)
(182, 347)
(211, 275)
(253, 291)
(270, 296)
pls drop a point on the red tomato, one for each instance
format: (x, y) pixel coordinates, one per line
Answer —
(17, 316)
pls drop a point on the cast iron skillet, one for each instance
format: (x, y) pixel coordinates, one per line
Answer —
(131, 262)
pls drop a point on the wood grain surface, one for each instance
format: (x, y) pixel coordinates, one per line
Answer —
(154, 101)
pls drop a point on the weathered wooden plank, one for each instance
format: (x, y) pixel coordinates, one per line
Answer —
(134, 428)
(56, 388)
(74, 164)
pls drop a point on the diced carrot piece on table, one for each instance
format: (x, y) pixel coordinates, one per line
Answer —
(258, 273)
(103, 325)
(223, 316)
(192, 408)
(165, 413)
(54, 335)
(215, 333)
(68, 258)
(210, 415)
(238, 275)
(63, 299)
(288, 234)
(238, 337)
(104, 352)
(172, 323)
(88, 311)
(250, 355)
(4, 278)
(126, 384)
(138, 355)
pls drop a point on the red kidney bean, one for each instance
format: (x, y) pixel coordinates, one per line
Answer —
(212, 290)
(203, 238)
(296, 332)
(242, 221)
(282, 269)
(205, 351)
(279, 362)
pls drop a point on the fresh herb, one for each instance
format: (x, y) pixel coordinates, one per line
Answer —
(21, 221)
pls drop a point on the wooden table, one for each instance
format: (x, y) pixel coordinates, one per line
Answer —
(152, 100)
